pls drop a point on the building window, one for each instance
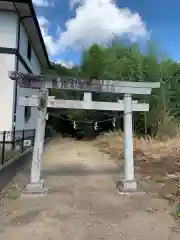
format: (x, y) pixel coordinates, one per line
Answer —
(29, 50)
(27, 113)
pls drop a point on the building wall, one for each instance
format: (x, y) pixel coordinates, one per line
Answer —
(34, 64)
(8, 39)
(8, 29)
(20, 112)
(35, 67)
(7, 63)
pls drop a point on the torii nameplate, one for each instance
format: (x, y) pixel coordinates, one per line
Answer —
(85, 84)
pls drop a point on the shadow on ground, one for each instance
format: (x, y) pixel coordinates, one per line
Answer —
(78, 170)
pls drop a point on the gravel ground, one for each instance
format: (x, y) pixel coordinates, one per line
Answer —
(82, 203)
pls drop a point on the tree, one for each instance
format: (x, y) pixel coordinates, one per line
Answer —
(126, 62)
(92, 62)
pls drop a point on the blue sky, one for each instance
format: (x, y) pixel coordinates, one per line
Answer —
(69, 26)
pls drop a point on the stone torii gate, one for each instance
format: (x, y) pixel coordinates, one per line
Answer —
(43, 101)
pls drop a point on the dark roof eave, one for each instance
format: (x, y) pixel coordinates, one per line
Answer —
(38, 29)
(29, 2)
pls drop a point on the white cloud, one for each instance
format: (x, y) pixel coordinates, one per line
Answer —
(43, 21)
(72, 3)
(51, 44)
(96, 21)
(67, 64)
(43, 3)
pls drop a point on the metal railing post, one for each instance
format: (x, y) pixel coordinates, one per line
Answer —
(22, 149)
(3, 147)
(14, 139)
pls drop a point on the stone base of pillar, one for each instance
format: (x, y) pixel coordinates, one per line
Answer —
(35, 188)
(125, 187)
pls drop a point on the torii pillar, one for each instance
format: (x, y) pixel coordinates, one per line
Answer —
(129, 182)
(36, 184)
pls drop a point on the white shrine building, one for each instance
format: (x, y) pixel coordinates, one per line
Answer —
(22, 49)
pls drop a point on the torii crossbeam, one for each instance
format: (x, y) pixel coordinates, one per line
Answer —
(42, 102)
(88, 105)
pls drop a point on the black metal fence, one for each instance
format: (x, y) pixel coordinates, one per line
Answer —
(13, 143)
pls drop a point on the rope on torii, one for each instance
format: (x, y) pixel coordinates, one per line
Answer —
(114, 122)
(95, 125)
(74, 125)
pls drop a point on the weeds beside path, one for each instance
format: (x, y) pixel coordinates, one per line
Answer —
(156, 161)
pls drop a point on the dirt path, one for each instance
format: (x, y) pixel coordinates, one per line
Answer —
(82, 203)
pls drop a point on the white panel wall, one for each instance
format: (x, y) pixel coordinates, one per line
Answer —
(8, 38)
(8, 29)
(7, 63)
(20, 119)
(34, 64)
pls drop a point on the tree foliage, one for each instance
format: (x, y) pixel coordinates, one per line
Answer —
(126, 62)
